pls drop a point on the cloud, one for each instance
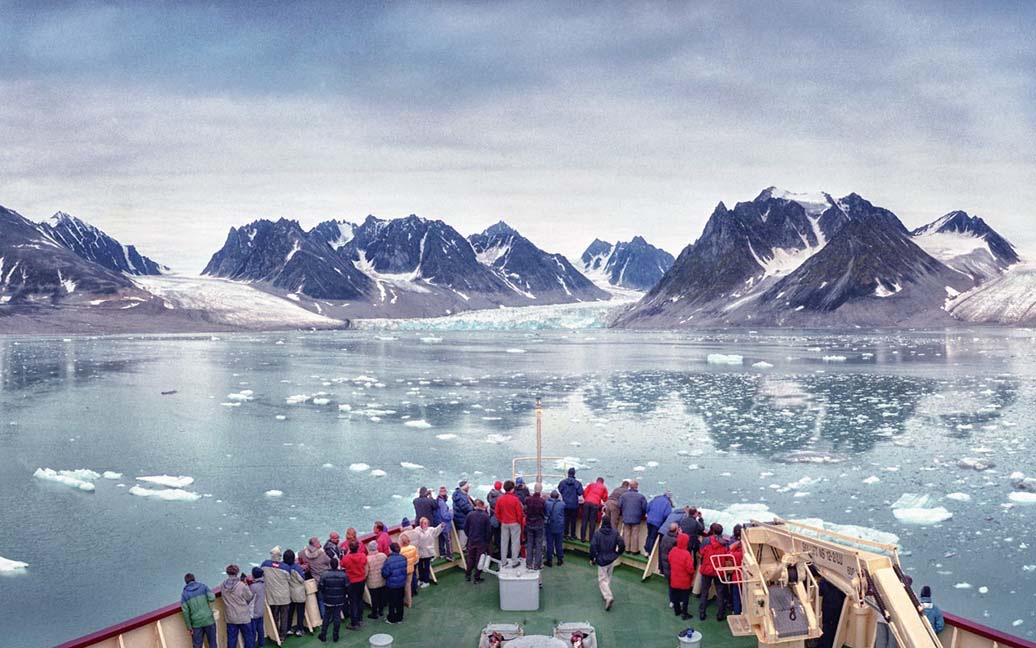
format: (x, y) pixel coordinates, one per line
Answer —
(168, 125)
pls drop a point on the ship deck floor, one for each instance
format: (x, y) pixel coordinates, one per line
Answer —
(452, 613)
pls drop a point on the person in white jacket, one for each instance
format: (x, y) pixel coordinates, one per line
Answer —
(424, 538)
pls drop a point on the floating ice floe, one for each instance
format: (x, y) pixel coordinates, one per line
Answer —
(81, 479)
(359, 467)
(421, 424)
(639, 469)
(297, 399)
(762, 364)
(168, 480)
(808, 456)
(497, 438)
(111, 474)
(431, 339)
(959, 497)
(322, 400)
(166, 494)
(871, 480)
(243, 395)
(7, 565)
(834, 358)
(378, 473)
(853, 530)
(722, 359)
(410, 466)
(975, 464)
(273, 492)
(983, 590)
(446, 437)
(962, 586)
(1021, 497)
(919, 509)
(515, 350)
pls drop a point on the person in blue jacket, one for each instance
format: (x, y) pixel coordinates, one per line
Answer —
(658, 510)
(931, 610)
(394, 572)
(462, 505)
(571, 490)
(445, 516)
(555, 529)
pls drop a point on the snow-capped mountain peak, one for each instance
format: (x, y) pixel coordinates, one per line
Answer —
(815, 203)
(636, 264)
(967, 244)
(93, 244)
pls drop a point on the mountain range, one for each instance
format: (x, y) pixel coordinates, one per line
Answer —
(781, 259)
(788, 259)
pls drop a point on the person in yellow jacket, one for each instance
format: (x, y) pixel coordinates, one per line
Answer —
(409, 552)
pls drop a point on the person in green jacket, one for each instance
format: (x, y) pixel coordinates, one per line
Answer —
(194, 604)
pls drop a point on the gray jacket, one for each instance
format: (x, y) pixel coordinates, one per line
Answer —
(318, 561)
(297, 585)
(277, 577)
(237, 601)
(258, 588)
(633, 506)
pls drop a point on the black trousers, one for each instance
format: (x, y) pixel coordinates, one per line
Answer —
(721, 595)
(424, 570)
(280, 618)
(590, 513)
(356, 602)
(377, 601)
(332, 614)
(679, 599)
(395, 603)
(475, 551)
(571, 516)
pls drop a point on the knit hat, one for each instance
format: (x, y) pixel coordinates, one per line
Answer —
(405, 523)
(926, 592)
(257, 572)
(498, 485)
(519, 481)
(276, 554)
(571, 472)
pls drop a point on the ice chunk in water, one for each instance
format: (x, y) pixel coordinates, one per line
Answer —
(962, 586)
(7, 565)
(918, 509)
(975, 464)
(763, 365)
(359, 467)
(1021, 497)
(834, 358)
(297, 399)
(516, 351)
(497, 438)
(273, 492)
(446, 437)
(73, 478)
(420, 424)
(168, 480)
(871, 480)
(959, 497)
(111, 474)
(410, 466)
(321, 401)
(378, 473)
(166, 494)
(721, 359)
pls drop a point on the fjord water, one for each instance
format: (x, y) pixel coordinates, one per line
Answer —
(839, 428)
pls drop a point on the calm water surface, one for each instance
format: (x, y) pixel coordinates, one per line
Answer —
(379, 414)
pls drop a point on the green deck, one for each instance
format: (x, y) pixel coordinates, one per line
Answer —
(452, 613)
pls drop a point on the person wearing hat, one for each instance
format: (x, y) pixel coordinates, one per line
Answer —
(932, 611)
(555, 529)
(605, 548)
(462, 505)
(237, 603)
(521, 491)
(331, 546)
(658, 510)
(258, 627)
(571, 490)
(278, 589)
(195, 605)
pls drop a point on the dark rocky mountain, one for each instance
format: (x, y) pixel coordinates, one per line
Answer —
(966, 243)
(286, 257)
(528, 270)
(94, 245)
(34, 268)
(636, 264)
(800, 259)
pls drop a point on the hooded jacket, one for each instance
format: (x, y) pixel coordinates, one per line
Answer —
(693, 527)
(384, 542)
(933, 613)
(571, 489)
(606, 545)
(237, 600)
(278, 582)
(633, 506)
(491, 499)
(509, 509)
(521, 491)
(665, 544)
(715, 547)
(595, 494)
(333, 587)
(412, 556)
(462, 505)
(395, 571)
(258, 588)
(658, 509)
(535, 512)
(681, 564)
(555, 516)
(445, 514)
(194, 605)
(425, 507)
(317, 559)
(296, 584)
(375, 561)
(355, 566)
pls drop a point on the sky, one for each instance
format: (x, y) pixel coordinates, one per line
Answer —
(166, 124)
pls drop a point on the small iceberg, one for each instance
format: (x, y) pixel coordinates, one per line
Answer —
(80, 479)
(959, 497)
(918, 509)
(515, 351)
(1022, 497)
(273, 492)
(421, 424)
(168, 480)
(721, 359)
(111, 474)
(410, 466)
(762, 364)
(871, 480)
(7, 565)
(359, 467)
(834, 358)
(165, 494)
(378, 473)
(446, 437)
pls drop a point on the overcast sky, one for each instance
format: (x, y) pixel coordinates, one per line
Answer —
(167, 125)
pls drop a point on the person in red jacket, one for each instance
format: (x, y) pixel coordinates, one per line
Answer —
(681, 575)
(715, 547)
(355, 566)
(594, 497)
(382, 538)
(511, 515)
